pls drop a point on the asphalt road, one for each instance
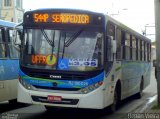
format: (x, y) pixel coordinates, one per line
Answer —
(38, 112)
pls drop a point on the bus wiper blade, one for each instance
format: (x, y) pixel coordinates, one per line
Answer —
(64, 46)
(73, 38)
(51, 43)
(46, 37)
(52, 46)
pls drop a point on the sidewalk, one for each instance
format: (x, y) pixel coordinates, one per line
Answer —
(153, 107)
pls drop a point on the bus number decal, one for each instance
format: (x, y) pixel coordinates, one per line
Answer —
(44, 60)
(78, 83)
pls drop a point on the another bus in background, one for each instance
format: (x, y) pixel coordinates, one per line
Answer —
(9, 63)
(80, 59)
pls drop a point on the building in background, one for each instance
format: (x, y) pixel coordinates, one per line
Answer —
(11, 10)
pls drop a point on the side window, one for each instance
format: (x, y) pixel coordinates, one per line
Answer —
(111, 30)
(146, 51)
(3, 51)
(0, 35)
(7, 3)
(142, 51)
(127, 46)
(149, 52)
(14, 53)
(139, 49)
(134, 47)
(119, 44)
(123, 45)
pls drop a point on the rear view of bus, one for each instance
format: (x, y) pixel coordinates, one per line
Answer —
(61, 61)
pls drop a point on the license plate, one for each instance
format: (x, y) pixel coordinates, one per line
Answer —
(54, 98)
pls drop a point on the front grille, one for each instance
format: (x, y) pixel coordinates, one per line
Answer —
(65, 75)
(63, 101)
(56, 88)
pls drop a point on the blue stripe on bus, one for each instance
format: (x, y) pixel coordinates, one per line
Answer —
(61, 83)
(9, 69)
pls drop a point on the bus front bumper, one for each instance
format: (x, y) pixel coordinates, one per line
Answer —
(92, 100)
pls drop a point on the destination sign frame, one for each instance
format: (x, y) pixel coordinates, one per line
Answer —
(64, 18)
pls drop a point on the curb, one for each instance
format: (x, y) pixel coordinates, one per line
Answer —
(148, 105)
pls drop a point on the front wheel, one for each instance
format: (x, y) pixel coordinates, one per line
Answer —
(114, 105)
(13, 102)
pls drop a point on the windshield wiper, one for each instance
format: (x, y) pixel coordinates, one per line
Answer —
(52, 46)
(72, 38)
(51, 43)
(64, 46)
(47, 39)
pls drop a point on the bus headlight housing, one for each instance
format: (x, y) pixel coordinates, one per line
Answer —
(25, 84)
(91, 87)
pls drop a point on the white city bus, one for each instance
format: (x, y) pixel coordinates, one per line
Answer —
(80, 59)
(9, 63)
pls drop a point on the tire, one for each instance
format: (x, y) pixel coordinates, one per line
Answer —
(13, 102)
(114, 106)
(139, 94)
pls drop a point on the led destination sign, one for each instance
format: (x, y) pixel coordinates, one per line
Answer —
(61, 18)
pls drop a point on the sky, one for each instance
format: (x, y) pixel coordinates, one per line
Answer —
(137, 14)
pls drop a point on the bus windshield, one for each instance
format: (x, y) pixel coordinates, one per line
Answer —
(72, 50)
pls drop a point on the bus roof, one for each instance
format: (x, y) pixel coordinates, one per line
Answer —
(7, 23)
(108, 18)
(65, 10)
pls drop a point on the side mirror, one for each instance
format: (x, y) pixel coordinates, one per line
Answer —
(17, 35)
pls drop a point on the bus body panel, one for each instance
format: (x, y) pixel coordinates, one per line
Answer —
(132, 73)
(8, 89)
(8, 69)
(8, 79)
(147, 75)
(110, 83)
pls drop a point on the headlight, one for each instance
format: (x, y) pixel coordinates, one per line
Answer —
(25, 84)
(91, 88)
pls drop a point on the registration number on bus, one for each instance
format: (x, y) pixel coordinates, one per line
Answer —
(54, 98)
